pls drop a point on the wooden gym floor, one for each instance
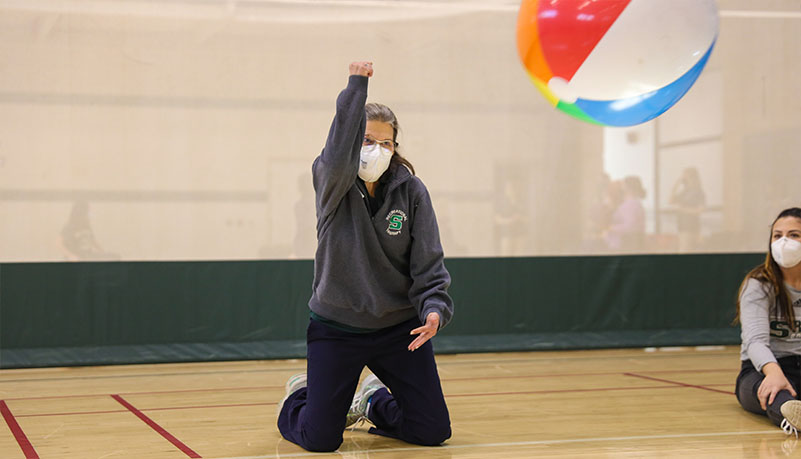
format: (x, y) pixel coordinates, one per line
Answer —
(676, 402)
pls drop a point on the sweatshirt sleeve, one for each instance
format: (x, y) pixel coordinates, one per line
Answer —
(334, 171)
(430, 279)
(755, 323)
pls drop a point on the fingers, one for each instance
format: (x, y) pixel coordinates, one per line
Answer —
(426, 332)
(425, 329)
(769, 396)
(762, 396)
(419, 341)
(416, 343)
(792, 390)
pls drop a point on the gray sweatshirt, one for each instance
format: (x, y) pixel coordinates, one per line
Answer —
(372, 272)
(765, 336)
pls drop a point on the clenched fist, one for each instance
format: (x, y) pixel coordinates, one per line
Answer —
(361, 68)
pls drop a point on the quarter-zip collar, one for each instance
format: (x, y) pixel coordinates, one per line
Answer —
(393, 177)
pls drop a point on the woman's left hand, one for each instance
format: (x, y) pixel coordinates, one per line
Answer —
(426, 332)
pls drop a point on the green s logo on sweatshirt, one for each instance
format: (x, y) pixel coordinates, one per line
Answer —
(782, 329)
(395, 219)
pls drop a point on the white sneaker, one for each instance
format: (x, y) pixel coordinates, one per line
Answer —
(792, 417)
(361, 400)
(293, 384)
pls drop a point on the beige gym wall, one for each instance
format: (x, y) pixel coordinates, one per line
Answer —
(188, 129)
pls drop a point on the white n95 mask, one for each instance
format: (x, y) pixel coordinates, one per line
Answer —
(373, 161)
(786, 252)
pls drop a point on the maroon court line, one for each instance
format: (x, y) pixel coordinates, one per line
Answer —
(150, 375)
(16, 430)
(672, 385)
(477, 394)
(236, 405)
(606, 373)
(165, 408)
(484, 378)
(159, 392)
(296, 369)
(72, 413)
(178, 444)
(559, 391)
(707, 370)
(595, 389)
(679, 383)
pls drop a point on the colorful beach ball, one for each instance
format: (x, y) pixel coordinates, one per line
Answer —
(615, 62)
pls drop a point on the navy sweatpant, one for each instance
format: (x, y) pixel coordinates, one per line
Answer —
(413, 410)
(748, 382)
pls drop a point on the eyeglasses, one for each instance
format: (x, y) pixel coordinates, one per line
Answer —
(388, 143)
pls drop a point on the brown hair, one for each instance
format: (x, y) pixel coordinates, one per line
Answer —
(770, 276)
(382, 113)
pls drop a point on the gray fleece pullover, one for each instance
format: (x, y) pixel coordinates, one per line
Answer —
(376, 271)
(765, 336)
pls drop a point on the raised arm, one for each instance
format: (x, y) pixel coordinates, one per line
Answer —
(334, 171)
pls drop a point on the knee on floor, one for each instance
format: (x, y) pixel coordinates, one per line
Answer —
(434, 435)
(322, 445)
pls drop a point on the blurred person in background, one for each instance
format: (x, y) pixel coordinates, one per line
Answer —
(626, 232)
(689, 198)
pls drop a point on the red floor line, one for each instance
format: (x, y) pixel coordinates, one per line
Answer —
(671, 385)
(230, 405)
(679, 383)
(178, 444)
(709, 370)
(557, 391)
(16, 430)
(561, 375)
(231, 389)
(150, 375)
(71, 413)
(225, 389)
(291, 370)
(477, 394)
(176, 391)
(166, 408)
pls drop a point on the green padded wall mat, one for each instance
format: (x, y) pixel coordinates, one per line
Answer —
(62, 314)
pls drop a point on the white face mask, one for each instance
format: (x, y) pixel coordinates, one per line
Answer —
(373, 161)
(786, 252)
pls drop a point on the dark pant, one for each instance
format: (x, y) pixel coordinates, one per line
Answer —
(750, 378)
(414, 411)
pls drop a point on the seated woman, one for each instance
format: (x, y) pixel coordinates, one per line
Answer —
(768, 307)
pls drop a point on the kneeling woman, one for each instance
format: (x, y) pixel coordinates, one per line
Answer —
(769, 308)
(379, 280)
